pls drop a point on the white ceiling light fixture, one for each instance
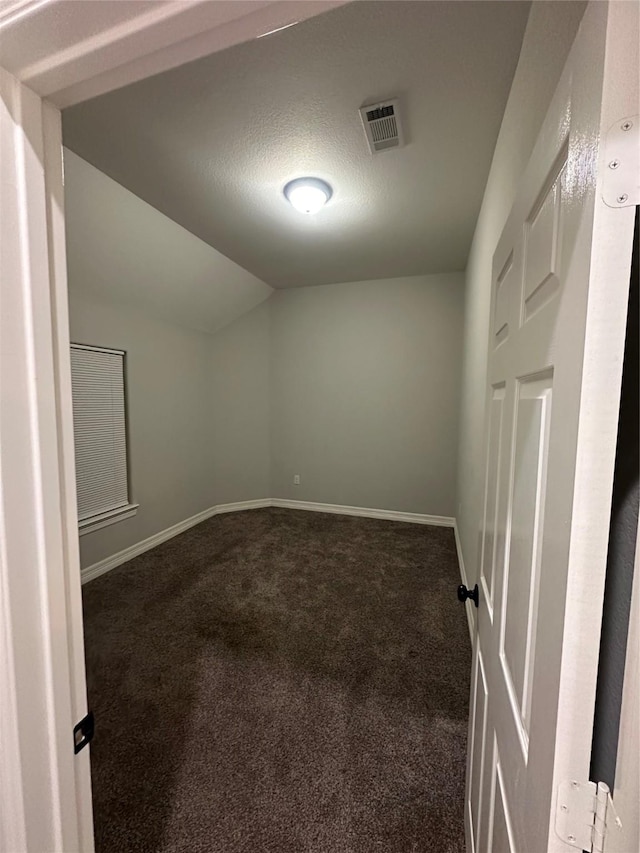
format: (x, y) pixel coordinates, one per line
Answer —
(308, 195)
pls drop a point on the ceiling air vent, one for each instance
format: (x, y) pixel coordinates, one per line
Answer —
(382, 126)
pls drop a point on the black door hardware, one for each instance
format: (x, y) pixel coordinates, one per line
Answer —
(464, 593)
(83, 732)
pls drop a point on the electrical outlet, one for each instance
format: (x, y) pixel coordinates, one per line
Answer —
(296, 479)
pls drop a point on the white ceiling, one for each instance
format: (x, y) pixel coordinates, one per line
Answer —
(212, 143)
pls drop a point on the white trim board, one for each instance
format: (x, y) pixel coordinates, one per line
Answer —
(366, 512)
(105, 519)
(104, 566)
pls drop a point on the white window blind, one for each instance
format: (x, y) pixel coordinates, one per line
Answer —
(97, 377)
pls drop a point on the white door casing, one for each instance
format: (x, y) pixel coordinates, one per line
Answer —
(559, 298)
(68, 52)
(46, 795)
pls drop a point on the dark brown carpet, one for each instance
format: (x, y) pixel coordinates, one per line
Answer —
(277, 681)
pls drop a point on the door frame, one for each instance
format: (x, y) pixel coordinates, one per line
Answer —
(45, 796)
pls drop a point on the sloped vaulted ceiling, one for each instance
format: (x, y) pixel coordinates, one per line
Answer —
(122, 250)
(212, 143)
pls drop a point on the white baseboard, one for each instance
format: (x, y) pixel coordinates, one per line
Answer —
(238, 506)
(463, 577)
(104, 566)
(365, 512)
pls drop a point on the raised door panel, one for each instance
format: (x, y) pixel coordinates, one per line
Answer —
(542, 242)
(492, 538)
(504, 286)
(522, 574)
(477, 748)
(502, 839)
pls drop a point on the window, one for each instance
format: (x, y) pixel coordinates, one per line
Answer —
(99, 422)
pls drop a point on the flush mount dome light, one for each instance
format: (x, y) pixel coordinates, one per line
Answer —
(308, 195)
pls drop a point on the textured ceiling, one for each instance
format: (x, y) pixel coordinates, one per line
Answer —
(212, 143)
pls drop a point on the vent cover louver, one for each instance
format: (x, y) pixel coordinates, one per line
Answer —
(382, 126)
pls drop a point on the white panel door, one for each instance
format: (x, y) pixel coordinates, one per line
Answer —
(555, 354)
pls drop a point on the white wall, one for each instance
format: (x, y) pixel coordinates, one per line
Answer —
(196, 402)
(198, 415)
(550, 32)
(239, 426)
(365, 392)
(168, 390)
(354, 386)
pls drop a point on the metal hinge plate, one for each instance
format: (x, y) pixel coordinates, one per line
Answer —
(584, 812)
(83, 732)
(621, 179)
